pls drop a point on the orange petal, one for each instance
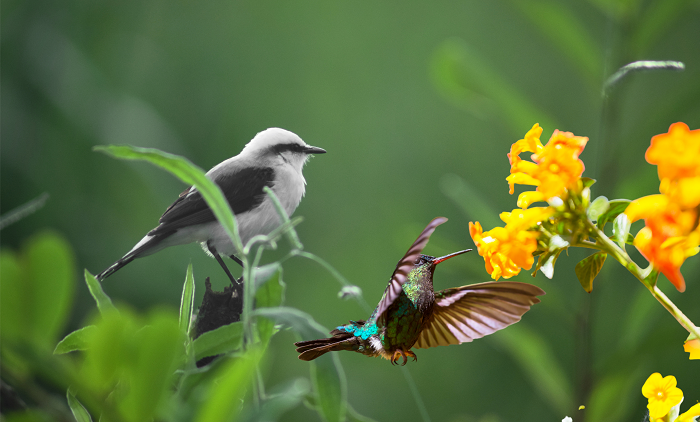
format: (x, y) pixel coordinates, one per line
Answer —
(646, 207)
(692, 347)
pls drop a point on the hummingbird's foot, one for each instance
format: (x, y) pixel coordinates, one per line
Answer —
(401, 354)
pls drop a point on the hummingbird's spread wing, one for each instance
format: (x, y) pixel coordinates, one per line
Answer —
(393, 290)
(462, 314)
(243, 190)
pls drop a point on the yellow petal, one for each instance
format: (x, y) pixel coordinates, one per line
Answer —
(529, 197)
(689, 416)
(692, 347)
(646, 207)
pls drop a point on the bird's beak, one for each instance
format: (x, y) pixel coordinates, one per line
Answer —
(446, 257)
(314, 150)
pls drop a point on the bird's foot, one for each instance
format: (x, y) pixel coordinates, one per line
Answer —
(401, 354)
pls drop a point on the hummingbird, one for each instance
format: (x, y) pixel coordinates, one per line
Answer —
(411, 314)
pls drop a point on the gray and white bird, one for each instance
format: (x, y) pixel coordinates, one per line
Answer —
(274, 158)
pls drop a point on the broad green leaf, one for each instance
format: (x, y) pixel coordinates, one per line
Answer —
(220, 340)
(466, 78)
(159, 349)
(615, 208)
(188, 173)
(187, 301)
(538, 361)
(37, 289)
(77, 340)
(588, 269)
(621, 229)
(225, 397)
(598, 207)
(270, 294)
(104, 303)
(262, 275)
(299, 321)
(79, 412)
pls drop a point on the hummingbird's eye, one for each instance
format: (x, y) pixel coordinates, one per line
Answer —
(418, 261)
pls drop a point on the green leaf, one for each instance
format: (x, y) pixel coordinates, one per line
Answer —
(188, 173)
(615, 208)
(270, 294)
(284, 218)
(587, 182)
(220, 340)
(79, 412)
(270, 287)
(299, 321)
(37, 289)
(598, 207)
(538, 361)
(621, 229)
(588, 269)
(157, 350)
(187, 301)
(104, 303)
(224, 397)
(77, 340)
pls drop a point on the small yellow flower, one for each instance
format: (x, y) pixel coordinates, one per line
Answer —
(662, 394)
(692, 347)
(554, 167)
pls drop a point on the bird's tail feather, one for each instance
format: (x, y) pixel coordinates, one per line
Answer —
(144, 247)
(310, 350)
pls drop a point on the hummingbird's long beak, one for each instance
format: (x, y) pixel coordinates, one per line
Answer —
(443, 258)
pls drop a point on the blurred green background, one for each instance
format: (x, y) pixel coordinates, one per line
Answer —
(417, 104)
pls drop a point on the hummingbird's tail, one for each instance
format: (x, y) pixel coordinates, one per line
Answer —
(341, 340)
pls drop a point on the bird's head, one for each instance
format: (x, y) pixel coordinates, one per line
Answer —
(280, 146)
(427, 261)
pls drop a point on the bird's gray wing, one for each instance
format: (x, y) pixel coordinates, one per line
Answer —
(393, 290)
(243, 190)
(462, 314)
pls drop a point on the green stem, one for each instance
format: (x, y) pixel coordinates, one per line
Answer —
(606, 245)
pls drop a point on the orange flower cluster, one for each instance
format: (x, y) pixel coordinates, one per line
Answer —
(508, 249)
(554, 167)
(671, 234)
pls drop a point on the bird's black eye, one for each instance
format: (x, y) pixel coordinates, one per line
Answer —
(418, 261)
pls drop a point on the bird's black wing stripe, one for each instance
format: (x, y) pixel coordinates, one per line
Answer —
(243, 191)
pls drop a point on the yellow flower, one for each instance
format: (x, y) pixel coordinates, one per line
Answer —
(662, 394)
(506, 250)
(690, 415)
(554, 167)
(676, 153)
(670, 236)
(692, 347)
